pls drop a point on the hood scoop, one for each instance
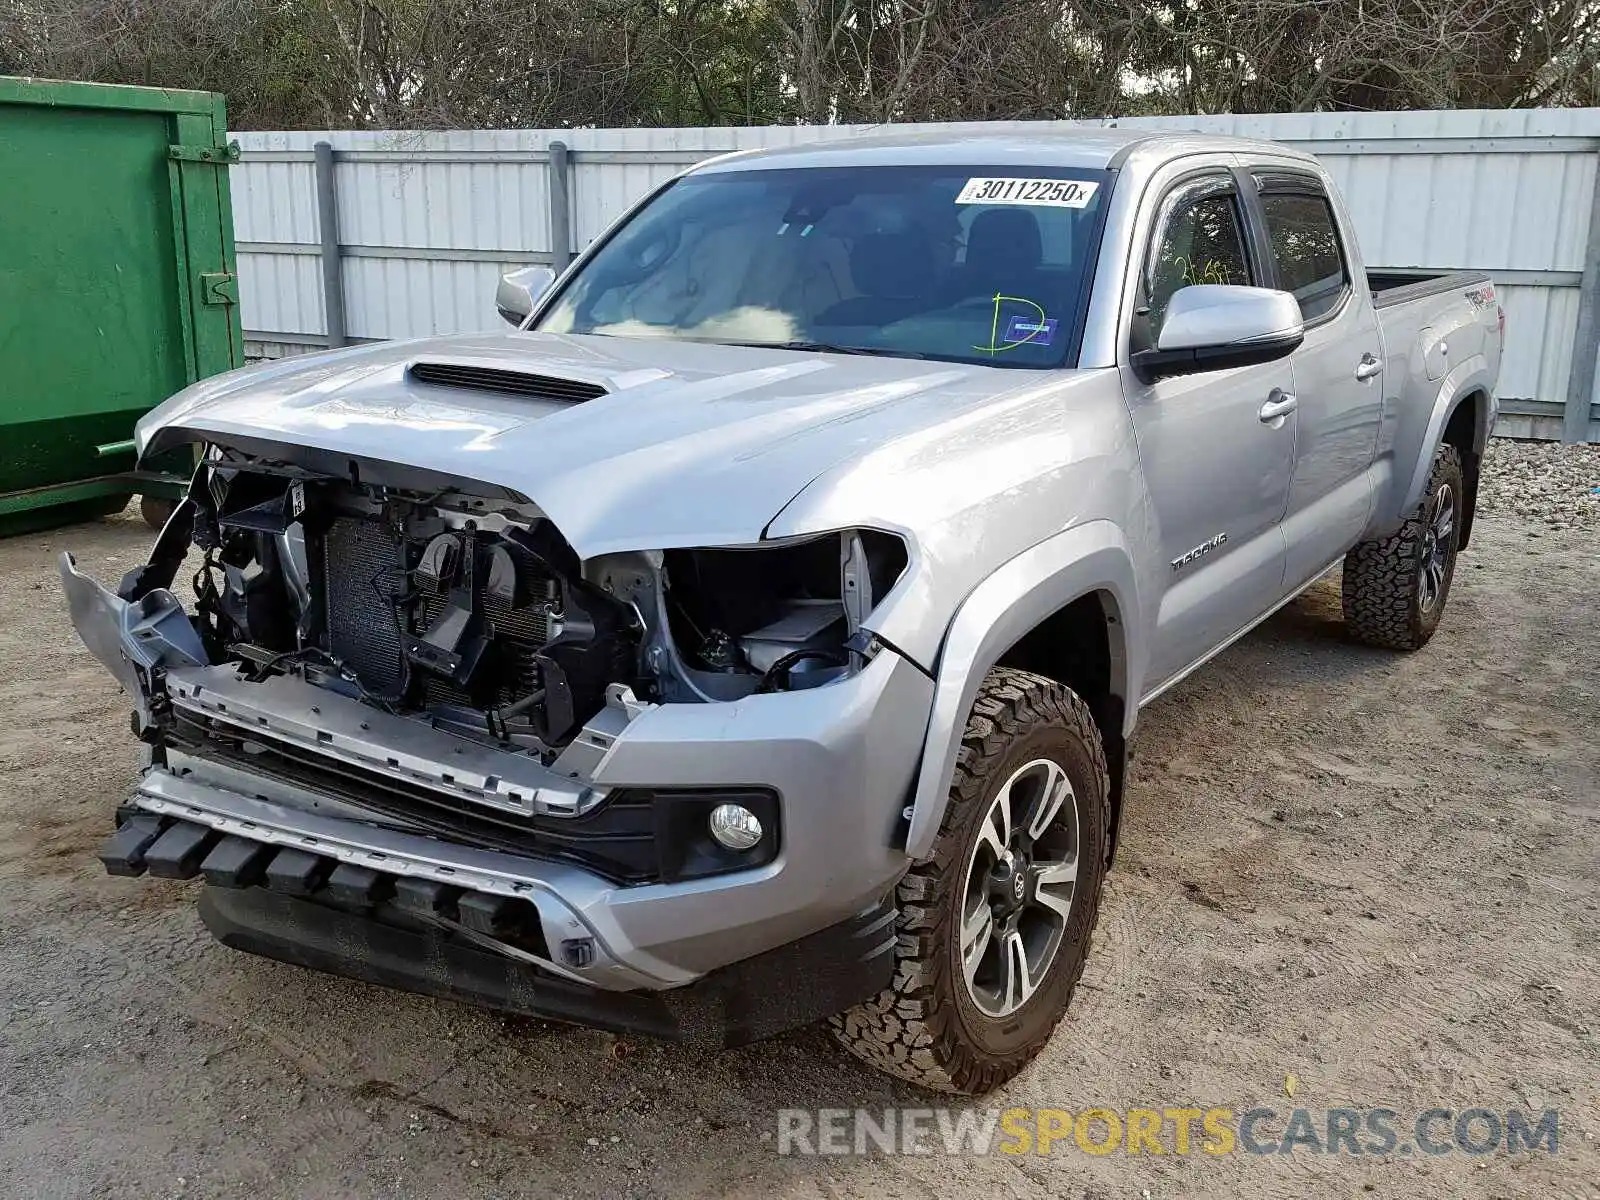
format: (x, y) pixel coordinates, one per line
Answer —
(495, 379)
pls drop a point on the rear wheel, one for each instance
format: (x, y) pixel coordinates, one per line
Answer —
(1395, 588)
(995, 927)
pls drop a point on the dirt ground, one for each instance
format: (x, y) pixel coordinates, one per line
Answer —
(1377, 874)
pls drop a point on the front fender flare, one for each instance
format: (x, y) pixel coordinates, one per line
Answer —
(994, 616)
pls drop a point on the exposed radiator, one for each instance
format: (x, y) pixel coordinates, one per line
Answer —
(362, 571)
(361, 564)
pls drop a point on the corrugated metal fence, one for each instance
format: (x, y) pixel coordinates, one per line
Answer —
(426, 222)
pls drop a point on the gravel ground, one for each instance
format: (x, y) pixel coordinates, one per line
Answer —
(1543, 485)
(1377, 874)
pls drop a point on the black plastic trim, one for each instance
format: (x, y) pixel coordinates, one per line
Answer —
(178, 852)
(633, 836)
(297, 872)
(516, 383)
(615, 840)
(123, 852)
(1436, 285)
(1158, 364)
(236, 862)
(782, 989)
(1276, 180)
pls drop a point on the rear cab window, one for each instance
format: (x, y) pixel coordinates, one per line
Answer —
(1307, 254)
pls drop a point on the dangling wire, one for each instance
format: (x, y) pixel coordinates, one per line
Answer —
(781, 668)
(204, 589)
(395, 601)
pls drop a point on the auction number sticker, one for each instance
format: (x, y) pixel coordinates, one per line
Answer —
(1052, 193)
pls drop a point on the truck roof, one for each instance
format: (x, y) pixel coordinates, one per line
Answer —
(1089, 147)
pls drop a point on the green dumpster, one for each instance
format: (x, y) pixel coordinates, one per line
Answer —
(117, 286)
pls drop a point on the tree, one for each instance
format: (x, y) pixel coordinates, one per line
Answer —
(560, 63)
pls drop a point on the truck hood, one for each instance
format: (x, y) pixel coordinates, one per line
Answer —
(692, 444)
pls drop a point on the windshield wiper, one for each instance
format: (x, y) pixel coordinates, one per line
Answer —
(829, 348)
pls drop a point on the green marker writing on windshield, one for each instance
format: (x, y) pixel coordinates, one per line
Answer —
(1040, 328)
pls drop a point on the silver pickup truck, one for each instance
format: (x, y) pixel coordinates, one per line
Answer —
(756, 634)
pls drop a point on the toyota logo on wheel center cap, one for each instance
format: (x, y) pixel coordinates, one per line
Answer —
(1018, 885)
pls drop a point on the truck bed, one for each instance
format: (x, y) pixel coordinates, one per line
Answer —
(1399, 286)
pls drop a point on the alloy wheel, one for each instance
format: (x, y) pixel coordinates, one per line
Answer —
(1020, 882)
(1437, 545)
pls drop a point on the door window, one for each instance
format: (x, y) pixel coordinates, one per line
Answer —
(1305, 245)
(1201, 241)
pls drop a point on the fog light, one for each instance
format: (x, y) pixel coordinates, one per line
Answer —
(735, 826)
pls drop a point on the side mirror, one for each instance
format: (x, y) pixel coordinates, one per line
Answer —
(1213, 326)
(520, 290)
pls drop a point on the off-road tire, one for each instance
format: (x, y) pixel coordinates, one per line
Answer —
(1382, 606)
(924, 1027)
(155, 510)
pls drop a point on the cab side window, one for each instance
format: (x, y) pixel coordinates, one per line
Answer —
(1201, 241)
(1305, 246)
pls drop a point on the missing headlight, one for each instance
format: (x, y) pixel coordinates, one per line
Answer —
(775, 617)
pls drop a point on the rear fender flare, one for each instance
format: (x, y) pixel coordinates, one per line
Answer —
(1088, 558)
(1471, 376)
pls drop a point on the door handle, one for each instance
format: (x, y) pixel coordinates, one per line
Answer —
(1369, 367)
(1279, 405)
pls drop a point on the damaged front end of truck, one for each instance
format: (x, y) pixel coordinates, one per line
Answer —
(405, 733)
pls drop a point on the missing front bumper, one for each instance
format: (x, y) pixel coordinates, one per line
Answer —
(793, 985)
(839, 759)
(489, 950)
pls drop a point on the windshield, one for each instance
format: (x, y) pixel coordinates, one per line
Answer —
(965, 264)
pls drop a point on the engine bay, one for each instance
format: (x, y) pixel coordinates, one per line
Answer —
(473, 612)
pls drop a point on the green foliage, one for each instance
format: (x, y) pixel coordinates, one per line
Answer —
(560, 63)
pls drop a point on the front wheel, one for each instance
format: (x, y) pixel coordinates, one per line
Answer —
(156, 511)
(1395, 587)
(995, 926)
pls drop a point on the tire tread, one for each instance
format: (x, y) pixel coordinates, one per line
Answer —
(906, 1031)
(1379, 589)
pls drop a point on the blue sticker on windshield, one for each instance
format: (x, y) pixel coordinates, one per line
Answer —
(1038, 331)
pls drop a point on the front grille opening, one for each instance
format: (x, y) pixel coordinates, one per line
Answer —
(516, 383)
(616, 840)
